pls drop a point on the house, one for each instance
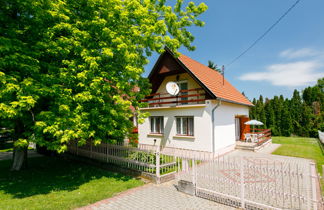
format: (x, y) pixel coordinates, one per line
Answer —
(207, 114)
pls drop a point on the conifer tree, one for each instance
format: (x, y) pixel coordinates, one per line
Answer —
(285, 122)
(296, 112)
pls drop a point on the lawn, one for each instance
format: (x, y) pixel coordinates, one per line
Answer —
(54, 183)
(301, 147)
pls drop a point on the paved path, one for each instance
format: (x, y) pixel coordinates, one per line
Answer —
(152, 196)
(269, 148)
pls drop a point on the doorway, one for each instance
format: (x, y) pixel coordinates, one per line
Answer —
(237, 129)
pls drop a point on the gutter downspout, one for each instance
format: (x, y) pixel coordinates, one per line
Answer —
(213, 123)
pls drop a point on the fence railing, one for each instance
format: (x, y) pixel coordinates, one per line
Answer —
(147, 160)
(258, 136)
(190, 96)
(254, 183)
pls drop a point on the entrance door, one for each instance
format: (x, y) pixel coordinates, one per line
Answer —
(237, 129)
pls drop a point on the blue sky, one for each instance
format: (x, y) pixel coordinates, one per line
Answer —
(290, 57)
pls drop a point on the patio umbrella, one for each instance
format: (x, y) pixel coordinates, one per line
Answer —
(253, 123)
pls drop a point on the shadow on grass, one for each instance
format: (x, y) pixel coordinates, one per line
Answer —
(49, 174)
(6, 146)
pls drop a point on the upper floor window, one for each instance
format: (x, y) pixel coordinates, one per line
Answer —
(185, 126)
(157, 124)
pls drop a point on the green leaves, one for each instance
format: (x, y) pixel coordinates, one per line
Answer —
(69, 69)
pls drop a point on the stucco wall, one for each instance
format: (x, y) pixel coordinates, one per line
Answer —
(202, 128)
(225, 123)
(202, 140)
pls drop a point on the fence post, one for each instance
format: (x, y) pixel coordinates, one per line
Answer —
(193, 172)
(157, 164)
(313, 184)
(242, 184)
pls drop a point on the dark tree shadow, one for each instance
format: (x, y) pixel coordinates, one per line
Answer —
(48, 174)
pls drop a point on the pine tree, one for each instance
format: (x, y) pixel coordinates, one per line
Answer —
(270, 115)
(277, 107)
(253, 110)
(261, 112)
(286, 126)
(296, 112)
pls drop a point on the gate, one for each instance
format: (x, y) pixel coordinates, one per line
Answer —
(257, 181)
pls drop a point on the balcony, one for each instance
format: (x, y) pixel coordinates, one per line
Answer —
(185, 97)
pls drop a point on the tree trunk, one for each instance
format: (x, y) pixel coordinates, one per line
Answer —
(19, 159)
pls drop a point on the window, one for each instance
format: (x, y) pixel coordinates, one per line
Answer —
(157, 124)
(185, 126)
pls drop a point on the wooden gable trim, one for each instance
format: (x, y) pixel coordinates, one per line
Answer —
(191, 74)
(158, 62)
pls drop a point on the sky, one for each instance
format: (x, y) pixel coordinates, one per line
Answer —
(290, 57)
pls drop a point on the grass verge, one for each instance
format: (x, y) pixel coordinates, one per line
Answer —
(53, 183)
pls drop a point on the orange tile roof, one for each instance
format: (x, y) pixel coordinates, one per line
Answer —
(213, 80)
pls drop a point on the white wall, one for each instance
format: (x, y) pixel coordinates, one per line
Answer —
(225, 123)
(224, 126)
(202, 128)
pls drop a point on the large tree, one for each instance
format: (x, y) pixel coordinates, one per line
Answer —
(69, 68)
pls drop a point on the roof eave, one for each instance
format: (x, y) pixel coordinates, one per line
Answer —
(235, 102)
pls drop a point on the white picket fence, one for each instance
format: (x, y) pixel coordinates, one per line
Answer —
(254, 183)
(145, 158)
(241, 182)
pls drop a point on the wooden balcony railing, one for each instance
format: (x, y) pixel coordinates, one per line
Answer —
(258, 136)
(190, 96)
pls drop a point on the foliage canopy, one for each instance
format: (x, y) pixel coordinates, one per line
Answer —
(69, 68)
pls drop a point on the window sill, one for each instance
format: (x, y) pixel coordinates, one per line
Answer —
(184, 137)
(155, 134)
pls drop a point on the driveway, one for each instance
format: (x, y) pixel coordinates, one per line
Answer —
(152, 196)
(279, 181)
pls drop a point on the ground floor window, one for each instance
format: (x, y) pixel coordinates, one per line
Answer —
(185, 126)
(156, 124)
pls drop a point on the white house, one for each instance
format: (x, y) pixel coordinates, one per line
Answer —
(207, 114)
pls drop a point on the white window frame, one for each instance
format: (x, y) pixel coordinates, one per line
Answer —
(154, 126)
(185, 132)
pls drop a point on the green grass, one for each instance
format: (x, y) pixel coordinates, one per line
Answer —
(301, 147)
(53, 183)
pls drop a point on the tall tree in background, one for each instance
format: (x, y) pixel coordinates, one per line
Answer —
(286, 127)
(269, 114)
(302, 116)
(68, 69)
(296, 110)
(214, 66)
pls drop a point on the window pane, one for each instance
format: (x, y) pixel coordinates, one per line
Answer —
(190, 126)
(161, 125)
(158, 125)
(178, 125)
(185, 126)
(152, 125)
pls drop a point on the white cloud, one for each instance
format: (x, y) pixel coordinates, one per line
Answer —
(294, 74)
(300, 53)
